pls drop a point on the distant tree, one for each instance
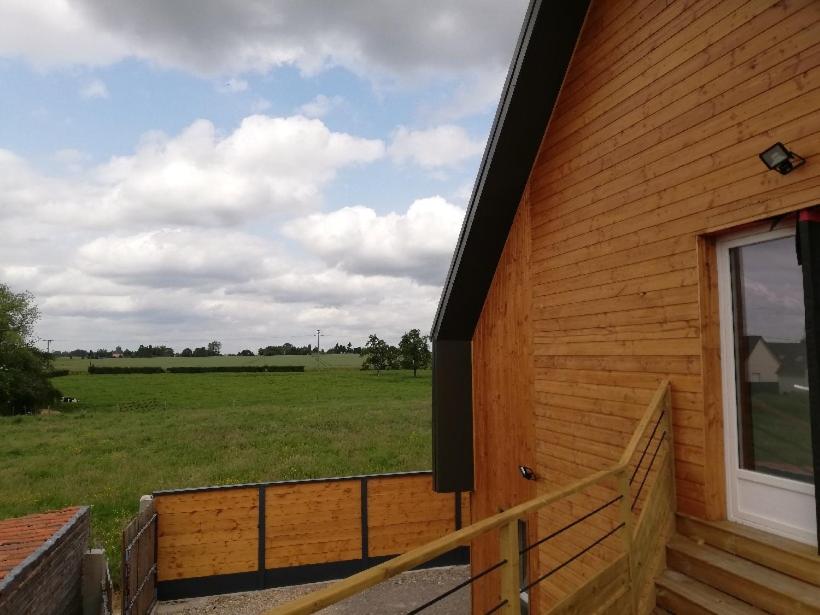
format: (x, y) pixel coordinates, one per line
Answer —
(201, 351)
(246, 353)
(214, 348)
(376, 354)
(415, 352)
(186, 352)
(24, 383)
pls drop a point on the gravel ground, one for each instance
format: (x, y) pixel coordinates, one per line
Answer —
(398, 595)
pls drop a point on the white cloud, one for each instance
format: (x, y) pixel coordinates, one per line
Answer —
(320, 106)
(357, 272)
(199, 177)
(416, 244)
(443, 146)
(232, 86)
(211, 37)
(94, 89)
(175, 257)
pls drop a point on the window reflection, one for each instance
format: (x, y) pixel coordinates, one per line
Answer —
(774, 432)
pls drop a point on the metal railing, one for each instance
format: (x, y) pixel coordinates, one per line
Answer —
(507, 523)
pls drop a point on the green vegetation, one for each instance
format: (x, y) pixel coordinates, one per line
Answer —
(782, 434)
(133, 434)
(24, 383)
(344, 361)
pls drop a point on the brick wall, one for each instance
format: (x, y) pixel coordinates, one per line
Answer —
(48, 581)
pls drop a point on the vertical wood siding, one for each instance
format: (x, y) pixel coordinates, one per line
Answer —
(653, 146)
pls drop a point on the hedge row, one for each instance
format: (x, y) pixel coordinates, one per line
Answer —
(56, 373)
(236, 368)
(93, 369)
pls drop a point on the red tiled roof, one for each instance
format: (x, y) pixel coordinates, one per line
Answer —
(22, 536)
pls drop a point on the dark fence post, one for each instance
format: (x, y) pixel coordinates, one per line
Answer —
(261, 553)
(365, 546)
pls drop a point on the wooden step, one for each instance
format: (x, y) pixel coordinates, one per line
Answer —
(787, 556)
(762, 587)
(686, 596)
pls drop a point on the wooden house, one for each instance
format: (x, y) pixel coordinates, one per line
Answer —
(625, 229)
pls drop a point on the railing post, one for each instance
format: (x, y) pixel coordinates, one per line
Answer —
(626, 531)
(510, 572)
(670, 443)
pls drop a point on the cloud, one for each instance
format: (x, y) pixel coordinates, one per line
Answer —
(175, 257)
(94, 89)
(199, 177)
(232, 86)
(417, 244)
(443, 146)
(212, 37)
(320, 106)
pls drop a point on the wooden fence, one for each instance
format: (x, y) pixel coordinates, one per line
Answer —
(139, 563)
(242, 537)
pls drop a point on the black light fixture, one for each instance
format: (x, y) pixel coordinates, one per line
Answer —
(527, 472)
(780, 159)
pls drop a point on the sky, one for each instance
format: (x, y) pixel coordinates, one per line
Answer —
(178, 172)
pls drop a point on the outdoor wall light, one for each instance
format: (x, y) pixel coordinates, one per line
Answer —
(527, 472)
(780, 159)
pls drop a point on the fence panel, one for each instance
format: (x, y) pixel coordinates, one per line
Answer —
(139, 563)
(242, 537)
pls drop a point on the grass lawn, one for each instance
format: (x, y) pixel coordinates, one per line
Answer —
(133, 434)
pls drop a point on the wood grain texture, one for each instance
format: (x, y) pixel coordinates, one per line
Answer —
(312, 523)
(207, 533)
(406, 513)
(503, 421)
(607, 285)
(653, 146)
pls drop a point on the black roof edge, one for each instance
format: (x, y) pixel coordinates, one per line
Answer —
(542, 55)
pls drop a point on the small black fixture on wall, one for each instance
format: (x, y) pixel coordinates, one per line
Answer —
(527, 472)
(780, 159)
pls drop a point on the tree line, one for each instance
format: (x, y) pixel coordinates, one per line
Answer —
(212, 349)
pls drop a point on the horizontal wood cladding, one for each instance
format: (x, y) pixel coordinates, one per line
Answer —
(208, 533)
(403, 514)
(313, 523)
(654, 143)
(605, 284)
(503, 436)
(217, 531)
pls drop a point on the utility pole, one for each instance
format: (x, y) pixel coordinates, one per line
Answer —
(48, 346)
(318, 333)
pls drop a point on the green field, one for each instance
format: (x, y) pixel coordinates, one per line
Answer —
(133, 434)
(324, 361)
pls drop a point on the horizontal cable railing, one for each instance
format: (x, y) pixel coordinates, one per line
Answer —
(507, 523)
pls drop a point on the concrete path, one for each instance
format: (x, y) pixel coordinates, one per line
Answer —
(398, 595)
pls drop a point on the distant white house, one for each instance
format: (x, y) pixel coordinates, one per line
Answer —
(783, 363)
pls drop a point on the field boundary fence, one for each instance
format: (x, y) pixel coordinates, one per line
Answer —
(221, 539)
(139, 562)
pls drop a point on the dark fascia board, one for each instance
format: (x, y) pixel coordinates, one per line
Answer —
(542, 55)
